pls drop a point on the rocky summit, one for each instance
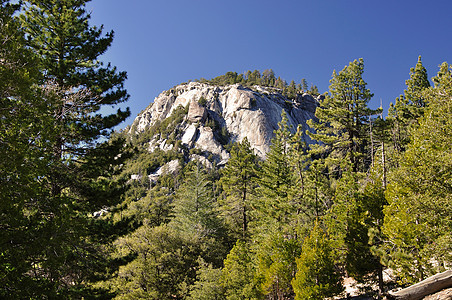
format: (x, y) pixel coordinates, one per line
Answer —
(216, 115)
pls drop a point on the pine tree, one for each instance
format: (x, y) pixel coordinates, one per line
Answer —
(304, 84)
(69, 48)
(342, 118)
(81, 161)
(163, 265)
(409, 107)
(356, 208)
(196, 215)
(275, 181)
(310, 193)
(317, 276)
(238, 274)
(417, 223)
(194, 211)
(25, 131)
(207, 286)
(346, 152)
(276, 256)
(238, 182)
(268, 77)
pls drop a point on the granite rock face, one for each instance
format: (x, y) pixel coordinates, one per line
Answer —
(239, 111)
(196, 112)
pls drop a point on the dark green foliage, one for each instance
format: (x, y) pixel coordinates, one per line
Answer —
(238, 275)
(76, 223)
(304, 84)
(25, 130)
(207, 286)
(202, 101)
(220, 132)
(267, 79)
(276, 179)
(342, 118)
(417, 222)
(228, 78)
(352, 220)
(276, 264)
(163, 265)
(62, 140)
(194, 207)
(239, 181)
(409, 107)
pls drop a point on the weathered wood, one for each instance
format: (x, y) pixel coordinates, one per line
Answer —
(424, 288)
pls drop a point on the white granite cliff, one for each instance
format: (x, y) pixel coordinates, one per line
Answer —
(245, 112)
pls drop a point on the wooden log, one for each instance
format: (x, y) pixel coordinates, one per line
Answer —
(424, 288)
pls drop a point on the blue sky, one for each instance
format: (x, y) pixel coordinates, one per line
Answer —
(161, 43)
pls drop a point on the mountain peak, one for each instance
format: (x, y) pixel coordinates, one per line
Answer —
(212, 116)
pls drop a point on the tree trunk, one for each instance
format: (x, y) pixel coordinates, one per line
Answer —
(426, 287)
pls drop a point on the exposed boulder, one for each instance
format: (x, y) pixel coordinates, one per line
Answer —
(190, 135)
(204, 161)
(196, 112)
(169, 168)
(207, 142)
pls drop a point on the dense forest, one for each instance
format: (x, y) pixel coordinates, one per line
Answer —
(372, 193)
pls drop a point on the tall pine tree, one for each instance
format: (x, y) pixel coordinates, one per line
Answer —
(275, 181)
(342, 119)
(239, 181)
(417, 223)
(81, 162)
(25, 132)
(409, 107)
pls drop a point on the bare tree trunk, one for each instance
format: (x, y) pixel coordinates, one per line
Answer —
(424, 288)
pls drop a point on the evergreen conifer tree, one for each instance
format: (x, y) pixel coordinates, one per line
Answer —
(317, 276)
(238, 274)
(275, 181)
(239, 181)
(417, 223)
(194, 212)
(81, 163)
(409, 107)
(342, 119)
(25, 132)
(276, 256)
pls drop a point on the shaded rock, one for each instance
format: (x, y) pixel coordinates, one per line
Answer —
(204, 161)
(196, 112)
(207, 142)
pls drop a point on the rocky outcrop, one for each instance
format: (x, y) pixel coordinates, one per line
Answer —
(169, 168)
(196, 112)
(227, 114)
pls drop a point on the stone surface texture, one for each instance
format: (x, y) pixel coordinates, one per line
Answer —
(253, 113)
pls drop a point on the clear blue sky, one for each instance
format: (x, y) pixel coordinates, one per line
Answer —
(161, 43)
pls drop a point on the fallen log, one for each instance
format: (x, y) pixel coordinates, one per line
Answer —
(424, 288)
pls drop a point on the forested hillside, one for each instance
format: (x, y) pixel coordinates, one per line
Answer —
(142, 213)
